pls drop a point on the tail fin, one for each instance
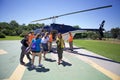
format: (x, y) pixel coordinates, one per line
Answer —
(101, 29)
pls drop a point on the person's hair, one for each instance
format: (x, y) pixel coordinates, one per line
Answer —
(70, 33)
(25, 35)
(60, 35)
(37, 36)
(46, 34)
(42, 30)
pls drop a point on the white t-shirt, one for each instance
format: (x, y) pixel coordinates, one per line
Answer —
(45, 40)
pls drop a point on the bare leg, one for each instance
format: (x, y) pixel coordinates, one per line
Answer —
(50, 46)
(33, 58)
(44, 54)
(39, 58)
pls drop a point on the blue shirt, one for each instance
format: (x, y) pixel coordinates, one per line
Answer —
(36, 43)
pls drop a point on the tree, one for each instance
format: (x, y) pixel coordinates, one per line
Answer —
(35, 26)
(76, 26)
(14, 24)
(115, 32)
(2, 35)
(23, 33)
(4, 27)
(108, 34)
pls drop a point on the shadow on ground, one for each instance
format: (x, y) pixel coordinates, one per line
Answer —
(101, 58)
(64, 63)
(50, 60)
(38, 69)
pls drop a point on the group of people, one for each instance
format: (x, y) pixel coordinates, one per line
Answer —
(42, 43)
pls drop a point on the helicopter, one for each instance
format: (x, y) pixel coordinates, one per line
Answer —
(64, 29)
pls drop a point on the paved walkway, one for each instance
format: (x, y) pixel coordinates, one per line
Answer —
(77, 65)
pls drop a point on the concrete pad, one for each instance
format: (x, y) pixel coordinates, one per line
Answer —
(2, 52)
(72, 67)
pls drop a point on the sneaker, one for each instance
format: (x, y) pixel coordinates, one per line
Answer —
(33, 66)
(29, 63)
(22, 63)
(40, 65)
(48, 51)
(58, 63)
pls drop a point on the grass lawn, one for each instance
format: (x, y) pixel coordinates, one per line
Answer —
(105, 48)
(11, 38)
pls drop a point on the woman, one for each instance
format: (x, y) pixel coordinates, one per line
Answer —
(60, 46)
(44, 42)
(36, 50)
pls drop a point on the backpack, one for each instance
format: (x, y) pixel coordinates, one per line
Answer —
(33, 46)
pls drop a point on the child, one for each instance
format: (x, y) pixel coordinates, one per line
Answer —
(36, 50)
(60, 46)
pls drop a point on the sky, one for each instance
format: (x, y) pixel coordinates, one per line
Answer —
(25, 11)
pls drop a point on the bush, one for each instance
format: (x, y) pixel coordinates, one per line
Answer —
(23, 33)
(77, 36)
(2, 35)
(94, 36)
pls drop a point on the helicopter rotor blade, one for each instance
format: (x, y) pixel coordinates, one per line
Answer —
(42, 19)
(86, 10)
(74, 13)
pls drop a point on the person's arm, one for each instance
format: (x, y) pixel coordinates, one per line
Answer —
(27, 42)
(30, 44)
(47, 39)
(64, 43)
(22, 41)
(57, 40)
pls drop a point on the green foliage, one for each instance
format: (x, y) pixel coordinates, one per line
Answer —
(84, 35)
(115, 32)
(24, 33)
(76, 26)
(89, 34)
(77, 36)
(14, 24)
(14, 29)
(108, 34)
(35, 26)
(92, 35)
(2, 35)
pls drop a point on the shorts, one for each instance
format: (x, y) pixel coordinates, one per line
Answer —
(45, 46)
(36, 51)
(60, 52)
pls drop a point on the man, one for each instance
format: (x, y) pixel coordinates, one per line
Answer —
(50, 42)
(70, 40)
(24, 43)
